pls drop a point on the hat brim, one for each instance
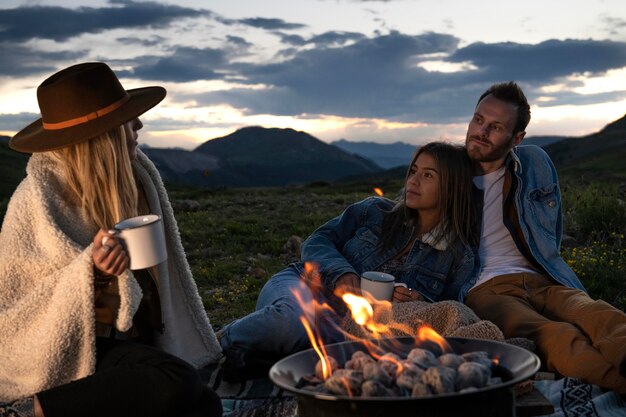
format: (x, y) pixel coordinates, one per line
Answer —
(34, 138)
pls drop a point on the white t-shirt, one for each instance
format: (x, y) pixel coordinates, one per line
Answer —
(498, 253)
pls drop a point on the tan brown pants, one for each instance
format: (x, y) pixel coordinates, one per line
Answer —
(575, 335)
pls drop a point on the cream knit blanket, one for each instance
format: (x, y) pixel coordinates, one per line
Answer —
(448, 318)
(47, 317)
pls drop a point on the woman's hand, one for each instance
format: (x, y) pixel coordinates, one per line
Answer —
(348, 283)
(402, 294)
(109, 258)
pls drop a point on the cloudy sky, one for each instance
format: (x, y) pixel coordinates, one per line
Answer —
(363, 70)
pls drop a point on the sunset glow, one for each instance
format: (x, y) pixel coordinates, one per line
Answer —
(375, 71)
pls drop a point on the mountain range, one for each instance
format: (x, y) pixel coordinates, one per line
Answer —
(387, 156)
(397, 154)
(256, 156)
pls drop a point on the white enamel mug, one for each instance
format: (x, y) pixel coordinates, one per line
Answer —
(379, 285)
(144, 240)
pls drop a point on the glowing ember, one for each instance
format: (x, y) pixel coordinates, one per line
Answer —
(378, 191)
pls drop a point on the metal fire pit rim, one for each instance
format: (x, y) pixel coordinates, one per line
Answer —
(534, 365)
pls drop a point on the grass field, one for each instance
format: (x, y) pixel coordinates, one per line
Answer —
(235, 241)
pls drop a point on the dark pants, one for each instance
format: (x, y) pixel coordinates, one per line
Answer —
(133, 380)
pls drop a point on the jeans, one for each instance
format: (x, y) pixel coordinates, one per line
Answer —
(275, 325)
(575, 335)
(133, 380)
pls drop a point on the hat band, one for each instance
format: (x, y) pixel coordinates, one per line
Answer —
(86, 118)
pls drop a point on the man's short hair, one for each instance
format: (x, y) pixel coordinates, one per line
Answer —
(511, 93)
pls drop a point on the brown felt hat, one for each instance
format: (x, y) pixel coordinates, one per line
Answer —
(79, 103)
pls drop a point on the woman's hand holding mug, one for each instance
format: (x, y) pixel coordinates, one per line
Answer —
(109, 258)
(403, 294)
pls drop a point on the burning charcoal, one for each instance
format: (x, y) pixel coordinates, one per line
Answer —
(478, 356)
(375, 388)
(410, 368)
(376, 372)
(345, 382)
(389, 362)
(318, 389)
(422, 358)
(408, 375)
(472, 374)
(421, 390)
(318, 367)
(391, 357)
(358, 361)
(440, 379)
(407, 381)
(451, 360)
(307, 381)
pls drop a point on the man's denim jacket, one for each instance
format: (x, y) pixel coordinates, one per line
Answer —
(349, 243)
(537, 204)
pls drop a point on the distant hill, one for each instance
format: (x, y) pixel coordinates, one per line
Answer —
(399, 153)
(385, 155)
(255, 156)
(601, 153)
(543, 141)
(181, 166)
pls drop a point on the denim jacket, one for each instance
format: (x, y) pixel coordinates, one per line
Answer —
(537, 204)
(349, 243)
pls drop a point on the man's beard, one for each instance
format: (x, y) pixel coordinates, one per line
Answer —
(490, 154)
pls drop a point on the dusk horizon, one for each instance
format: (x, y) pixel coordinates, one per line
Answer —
(364, 71)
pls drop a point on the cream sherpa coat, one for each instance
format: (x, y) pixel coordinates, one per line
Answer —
(47, 317)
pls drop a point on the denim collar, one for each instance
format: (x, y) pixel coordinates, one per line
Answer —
(512, 158)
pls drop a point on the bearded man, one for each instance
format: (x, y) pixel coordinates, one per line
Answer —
(523, 284)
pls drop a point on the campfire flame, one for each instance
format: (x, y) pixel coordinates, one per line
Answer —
(428, 334)
(318, 346)
(378, 191)
(364, 311)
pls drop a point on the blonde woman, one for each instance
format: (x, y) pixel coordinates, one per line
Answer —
(82, 335)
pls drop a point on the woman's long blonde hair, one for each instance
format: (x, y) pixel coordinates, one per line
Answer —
(100, 178)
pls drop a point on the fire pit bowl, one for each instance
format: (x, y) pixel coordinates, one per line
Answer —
(496, 400)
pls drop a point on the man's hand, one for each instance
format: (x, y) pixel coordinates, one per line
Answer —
(348, 283)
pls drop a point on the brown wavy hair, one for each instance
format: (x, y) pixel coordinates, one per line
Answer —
(458, 213)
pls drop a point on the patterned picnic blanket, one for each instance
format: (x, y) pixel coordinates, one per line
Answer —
(251, 398)
(573, 398)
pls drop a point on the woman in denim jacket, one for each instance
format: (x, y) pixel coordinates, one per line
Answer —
(426, 239)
